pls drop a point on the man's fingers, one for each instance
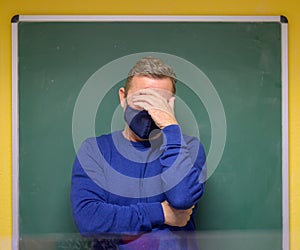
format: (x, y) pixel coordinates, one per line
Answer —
(151, 100)
(156, 97)
(154, 102)
(149, 103)
(143, 105)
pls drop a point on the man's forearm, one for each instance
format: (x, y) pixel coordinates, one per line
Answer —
(180, 177)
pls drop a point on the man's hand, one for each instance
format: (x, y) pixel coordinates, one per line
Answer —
(160, 109)
(176, 217)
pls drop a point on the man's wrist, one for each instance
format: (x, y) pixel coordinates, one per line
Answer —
(173, 135)
(170, 124)
(155, 213)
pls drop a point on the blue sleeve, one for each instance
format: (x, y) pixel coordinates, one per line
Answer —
(183, 161)
(92, 213)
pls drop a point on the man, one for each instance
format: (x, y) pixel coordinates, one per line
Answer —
(140, 186)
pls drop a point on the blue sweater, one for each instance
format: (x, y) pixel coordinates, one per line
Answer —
(118, 186)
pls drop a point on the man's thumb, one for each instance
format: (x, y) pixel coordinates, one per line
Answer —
(172, 101)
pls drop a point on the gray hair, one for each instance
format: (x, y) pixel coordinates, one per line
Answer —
(151, 67)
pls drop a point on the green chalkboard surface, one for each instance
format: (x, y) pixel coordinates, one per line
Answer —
(242, 205)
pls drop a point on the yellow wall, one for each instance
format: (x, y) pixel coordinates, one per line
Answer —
(9, 8)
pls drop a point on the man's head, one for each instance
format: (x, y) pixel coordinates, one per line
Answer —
(150, 82)
(152, 68)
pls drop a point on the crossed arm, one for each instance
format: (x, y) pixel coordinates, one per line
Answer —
(93, 213)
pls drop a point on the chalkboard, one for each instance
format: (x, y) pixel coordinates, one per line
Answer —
(236, 95)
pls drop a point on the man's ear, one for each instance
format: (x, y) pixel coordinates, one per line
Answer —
(122, 97)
